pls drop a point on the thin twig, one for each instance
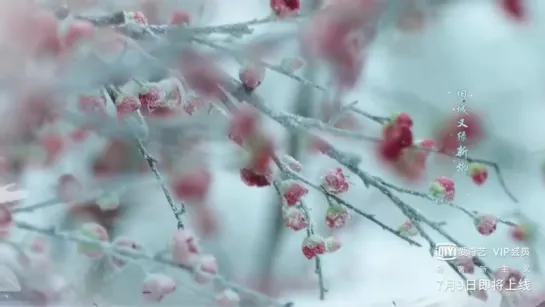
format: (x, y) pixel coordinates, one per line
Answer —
(317, 259)
(415, 215)
(152, 163)
(433, 245)
(471, 214)
(310, 232)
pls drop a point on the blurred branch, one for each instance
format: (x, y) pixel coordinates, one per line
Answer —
(239, 28)
(134, 255)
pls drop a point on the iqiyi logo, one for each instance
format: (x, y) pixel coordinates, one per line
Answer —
(445, 251)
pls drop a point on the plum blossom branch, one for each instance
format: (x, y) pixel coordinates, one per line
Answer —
(327, 127)
(117, 251)
(317, 124)
(433, 245)
(310, 232)
(378, 119)
(351, 162)
(343, 159)
(286, 171)
(419, 217)
(382, 120)
(406, 209)
(293, 175)
(318, 260)
(494, 165)
(427, 196)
